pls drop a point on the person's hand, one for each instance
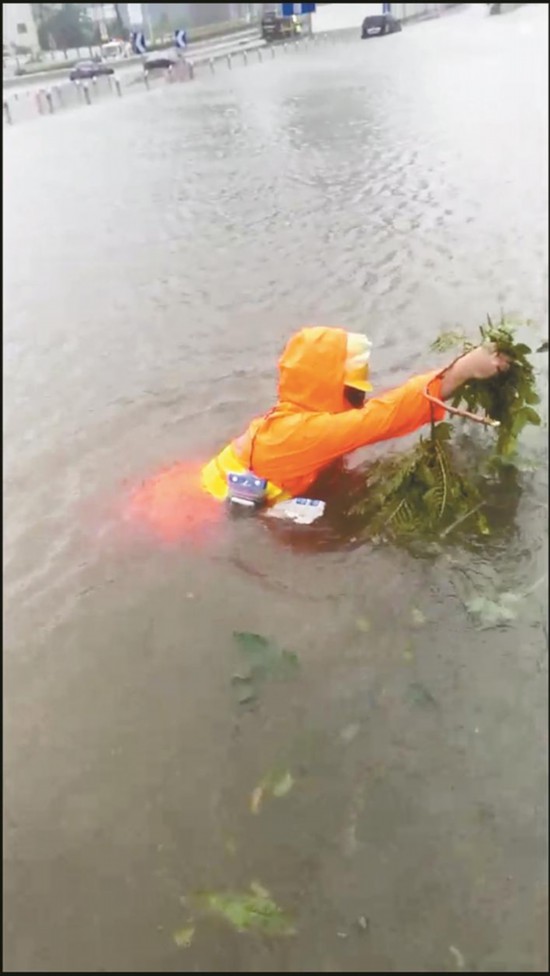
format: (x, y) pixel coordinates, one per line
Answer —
(484, 362)
(480, 363)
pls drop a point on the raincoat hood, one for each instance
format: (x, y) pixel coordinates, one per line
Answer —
(312, 369)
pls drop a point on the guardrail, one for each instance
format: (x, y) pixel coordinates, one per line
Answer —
(57, 71)
(22, 106)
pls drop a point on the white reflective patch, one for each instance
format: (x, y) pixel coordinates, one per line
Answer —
(302, 511)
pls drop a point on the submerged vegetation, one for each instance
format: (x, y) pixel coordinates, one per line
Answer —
(419, 493)
(424, 493)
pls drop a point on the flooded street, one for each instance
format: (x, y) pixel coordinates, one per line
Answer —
(159, 251)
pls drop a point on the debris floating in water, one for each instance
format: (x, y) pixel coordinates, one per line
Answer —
(264, 660)
(459, 958)
(418, 694)
(417, 617)
(349, 733)
(184, 937)
(248, 911)
(363, 625)
(275, 783)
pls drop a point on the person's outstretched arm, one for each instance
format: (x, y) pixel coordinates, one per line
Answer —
(325, 437)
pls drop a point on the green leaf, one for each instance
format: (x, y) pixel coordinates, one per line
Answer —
(531, 416)
(277, 783)
(253, 911)
(418, 694)
(350, 732)
(363, 625)
(448, 340)
(504, 396)
(246, 695)
(264, 657)
(264, 660)
(283, 785)
(253, 646)
(417, 617)
(184, 937)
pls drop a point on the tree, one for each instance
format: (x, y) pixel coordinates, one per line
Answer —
(119, 21)
(63, 26)
(114, 24)
(121, 29)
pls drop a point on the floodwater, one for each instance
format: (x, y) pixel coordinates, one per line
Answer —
(158, 252)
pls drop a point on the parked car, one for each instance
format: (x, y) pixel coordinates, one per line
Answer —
(277, 28)
(378, 25)
(161, 60)
(90, 69)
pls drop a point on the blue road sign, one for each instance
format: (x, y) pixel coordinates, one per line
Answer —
(180, 38)
(139, 45)
(289, 9)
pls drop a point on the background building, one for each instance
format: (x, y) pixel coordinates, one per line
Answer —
(160, 17)
(19, 32)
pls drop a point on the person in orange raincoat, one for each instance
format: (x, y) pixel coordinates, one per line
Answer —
(322, 412)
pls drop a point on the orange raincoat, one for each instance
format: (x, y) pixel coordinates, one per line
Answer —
(312, 423)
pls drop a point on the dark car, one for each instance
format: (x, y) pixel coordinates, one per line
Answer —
(90, 69)
(162, 60)
(381, 24)
(277, 28)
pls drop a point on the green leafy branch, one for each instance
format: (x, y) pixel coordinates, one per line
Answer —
(423, 493)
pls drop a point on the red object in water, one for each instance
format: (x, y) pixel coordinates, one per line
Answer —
(173, 505)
